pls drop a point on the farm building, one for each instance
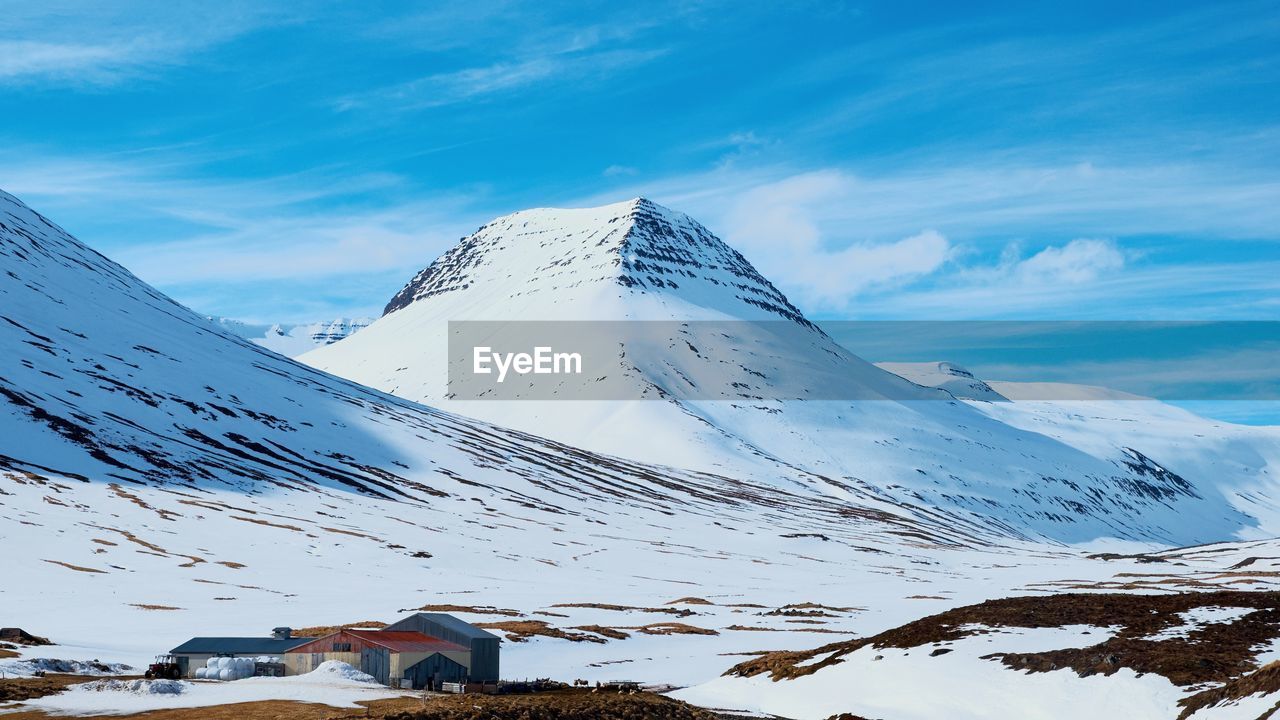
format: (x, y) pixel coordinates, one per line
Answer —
(195, 653)
(397, 658)
(421, 649)
(483, 645)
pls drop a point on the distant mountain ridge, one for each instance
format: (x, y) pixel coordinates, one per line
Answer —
(292, 340)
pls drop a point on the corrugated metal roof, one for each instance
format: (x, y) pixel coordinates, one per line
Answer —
(238, 646)
(407, 641)
(454, 624)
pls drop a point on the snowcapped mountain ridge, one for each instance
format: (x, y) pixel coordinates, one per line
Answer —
(105, 378)
(150, 459)
(563, 256)
(878, 434)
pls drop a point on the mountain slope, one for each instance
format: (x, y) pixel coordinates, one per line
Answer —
(1239, 459)
(725, 374)
(176, 479)
(104, 378)
(946, 376)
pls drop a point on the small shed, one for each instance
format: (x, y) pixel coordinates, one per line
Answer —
(389, 656)
(482, 644)
(195, 653)
(21, 637)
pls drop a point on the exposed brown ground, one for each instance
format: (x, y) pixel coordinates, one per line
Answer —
(268, 523)
(121, 492)
(268, 710)
(553, 705)
(474, 609)
(812, 607)
(522, 630)
(673, 628)
(15, 689)
(79, 568)
(1264, 680)
(557, 705)
(760, 628)
(679, 612)
(613, 633)
(322, 630)
(1216, 652)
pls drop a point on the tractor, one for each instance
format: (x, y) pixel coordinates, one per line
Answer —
(165, 666)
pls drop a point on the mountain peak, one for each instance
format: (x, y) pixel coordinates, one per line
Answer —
(623, 249)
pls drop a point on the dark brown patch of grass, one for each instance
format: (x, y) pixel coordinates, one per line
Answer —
(1213, 652)
(608, 632)
(322, 630)
(18, 689)
(474, 609)
(678, 612)
(1264, 680)
(522, 630)
(77, 568)
(557, 705)
(673, 628)
(267, 523)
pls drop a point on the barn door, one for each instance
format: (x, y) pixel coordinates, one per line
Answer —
(376, 662)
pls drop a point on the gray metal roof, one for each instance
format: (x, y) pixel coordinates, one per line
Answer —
(238, 646)
(461, 627)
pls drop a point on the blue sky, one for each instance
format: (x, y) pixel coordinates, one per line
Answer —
(301, 161)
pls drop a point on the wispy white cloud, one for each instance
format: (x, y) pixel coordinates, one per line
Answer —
(78, 44)
(470, 83)
(775, 225)
(63, 61)
(294, 227)
(1082, 260)
(1015, 237)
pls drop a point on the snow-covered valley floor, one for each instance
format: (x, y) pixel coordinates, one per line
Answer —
(123, 574)
(335, 684)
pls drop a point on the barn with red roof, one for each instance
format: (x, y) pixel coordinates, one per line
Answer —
(400, 657)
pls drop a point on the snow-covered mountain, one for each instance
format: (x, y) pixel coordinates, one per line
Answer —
(177, 479)
(149, 459)
(105, 378)
(716, 404)
(161, 477)
(296, 339)
(947, 376)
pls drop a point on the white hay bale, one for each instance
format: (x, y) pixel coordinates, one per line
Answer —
(201, 672)
(226, 674)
